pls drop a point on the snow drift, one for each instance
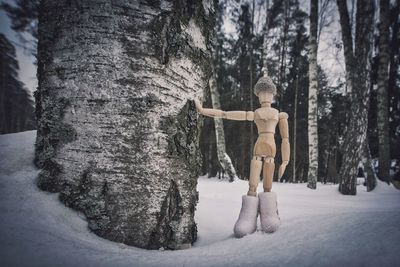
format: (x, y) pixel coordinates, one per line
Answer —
(318, 227)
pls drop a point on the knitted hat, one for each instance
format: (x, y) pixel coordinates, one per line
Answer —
(266, 84)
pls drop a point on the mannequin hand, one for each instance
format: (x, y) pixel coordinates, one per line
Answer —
(198, 106)
(282, 168)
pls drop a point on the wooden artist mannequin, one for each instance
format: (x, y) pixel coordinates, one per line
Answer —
(266, 118)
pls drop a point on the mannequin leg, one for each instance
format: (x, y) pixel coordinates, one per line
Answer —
(268, 173)
(255, 171)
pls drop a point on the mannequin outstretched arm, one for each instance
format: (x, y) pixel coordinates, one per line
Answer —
(285, 146)
(229, 115)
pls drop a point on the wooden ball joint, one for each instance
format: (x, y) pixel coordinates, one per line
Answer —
(266, 118)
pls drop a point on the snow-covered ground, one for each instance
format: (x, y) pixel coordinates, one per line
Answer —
(319, 228)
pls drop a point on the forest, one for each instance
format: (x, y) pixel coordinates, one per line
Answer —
(275, 34)
(119, 136)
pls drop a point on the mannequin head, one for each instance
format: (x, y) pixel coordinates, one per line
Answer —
(265, 90)
(265, 97)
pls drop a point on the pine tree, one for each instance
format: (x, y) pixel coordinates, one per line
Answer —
(240, 55)
(295, 92)
(24, 19)
(16, 106)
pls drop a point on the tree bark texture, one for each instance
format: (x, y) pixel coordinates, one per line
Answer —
(312, 98)
(382, 93)
(347, 40)
(294, 166)
(264, 69)
(358, 79)
(251, 74)
(117, 131)
(370, 178)
(394, 96)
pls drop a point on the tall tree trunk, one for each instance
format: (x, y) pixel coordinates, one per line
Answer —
(296, 93)
(357, 77)
(117, 134)
(264, 69)
(382, 93)
(223, 157)
(394, 64)
(251, 76)
(368, 168)
(282, 56)
(3, 86)
(347, 40)
(312, 99)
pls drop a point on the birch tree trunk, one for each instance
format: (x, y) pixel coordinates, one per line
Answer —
(312, 99)
(358, 84)
(264, 69)
(251, 93)
(220, 144)
(370, 178)
(117, 134)
(382, 93)
(223, 157)
(296, 93)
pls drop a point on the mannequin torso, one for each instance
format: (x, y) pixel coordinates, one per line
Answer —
(266, 119)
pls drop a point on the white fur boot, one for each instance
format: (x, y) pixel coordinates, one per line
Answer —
(247, 221)
(269, 215)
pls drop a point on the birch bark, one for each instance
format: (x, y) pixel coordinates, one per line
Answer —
(117, 132)
(312, 99)
(357, 80)
(223, 157)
